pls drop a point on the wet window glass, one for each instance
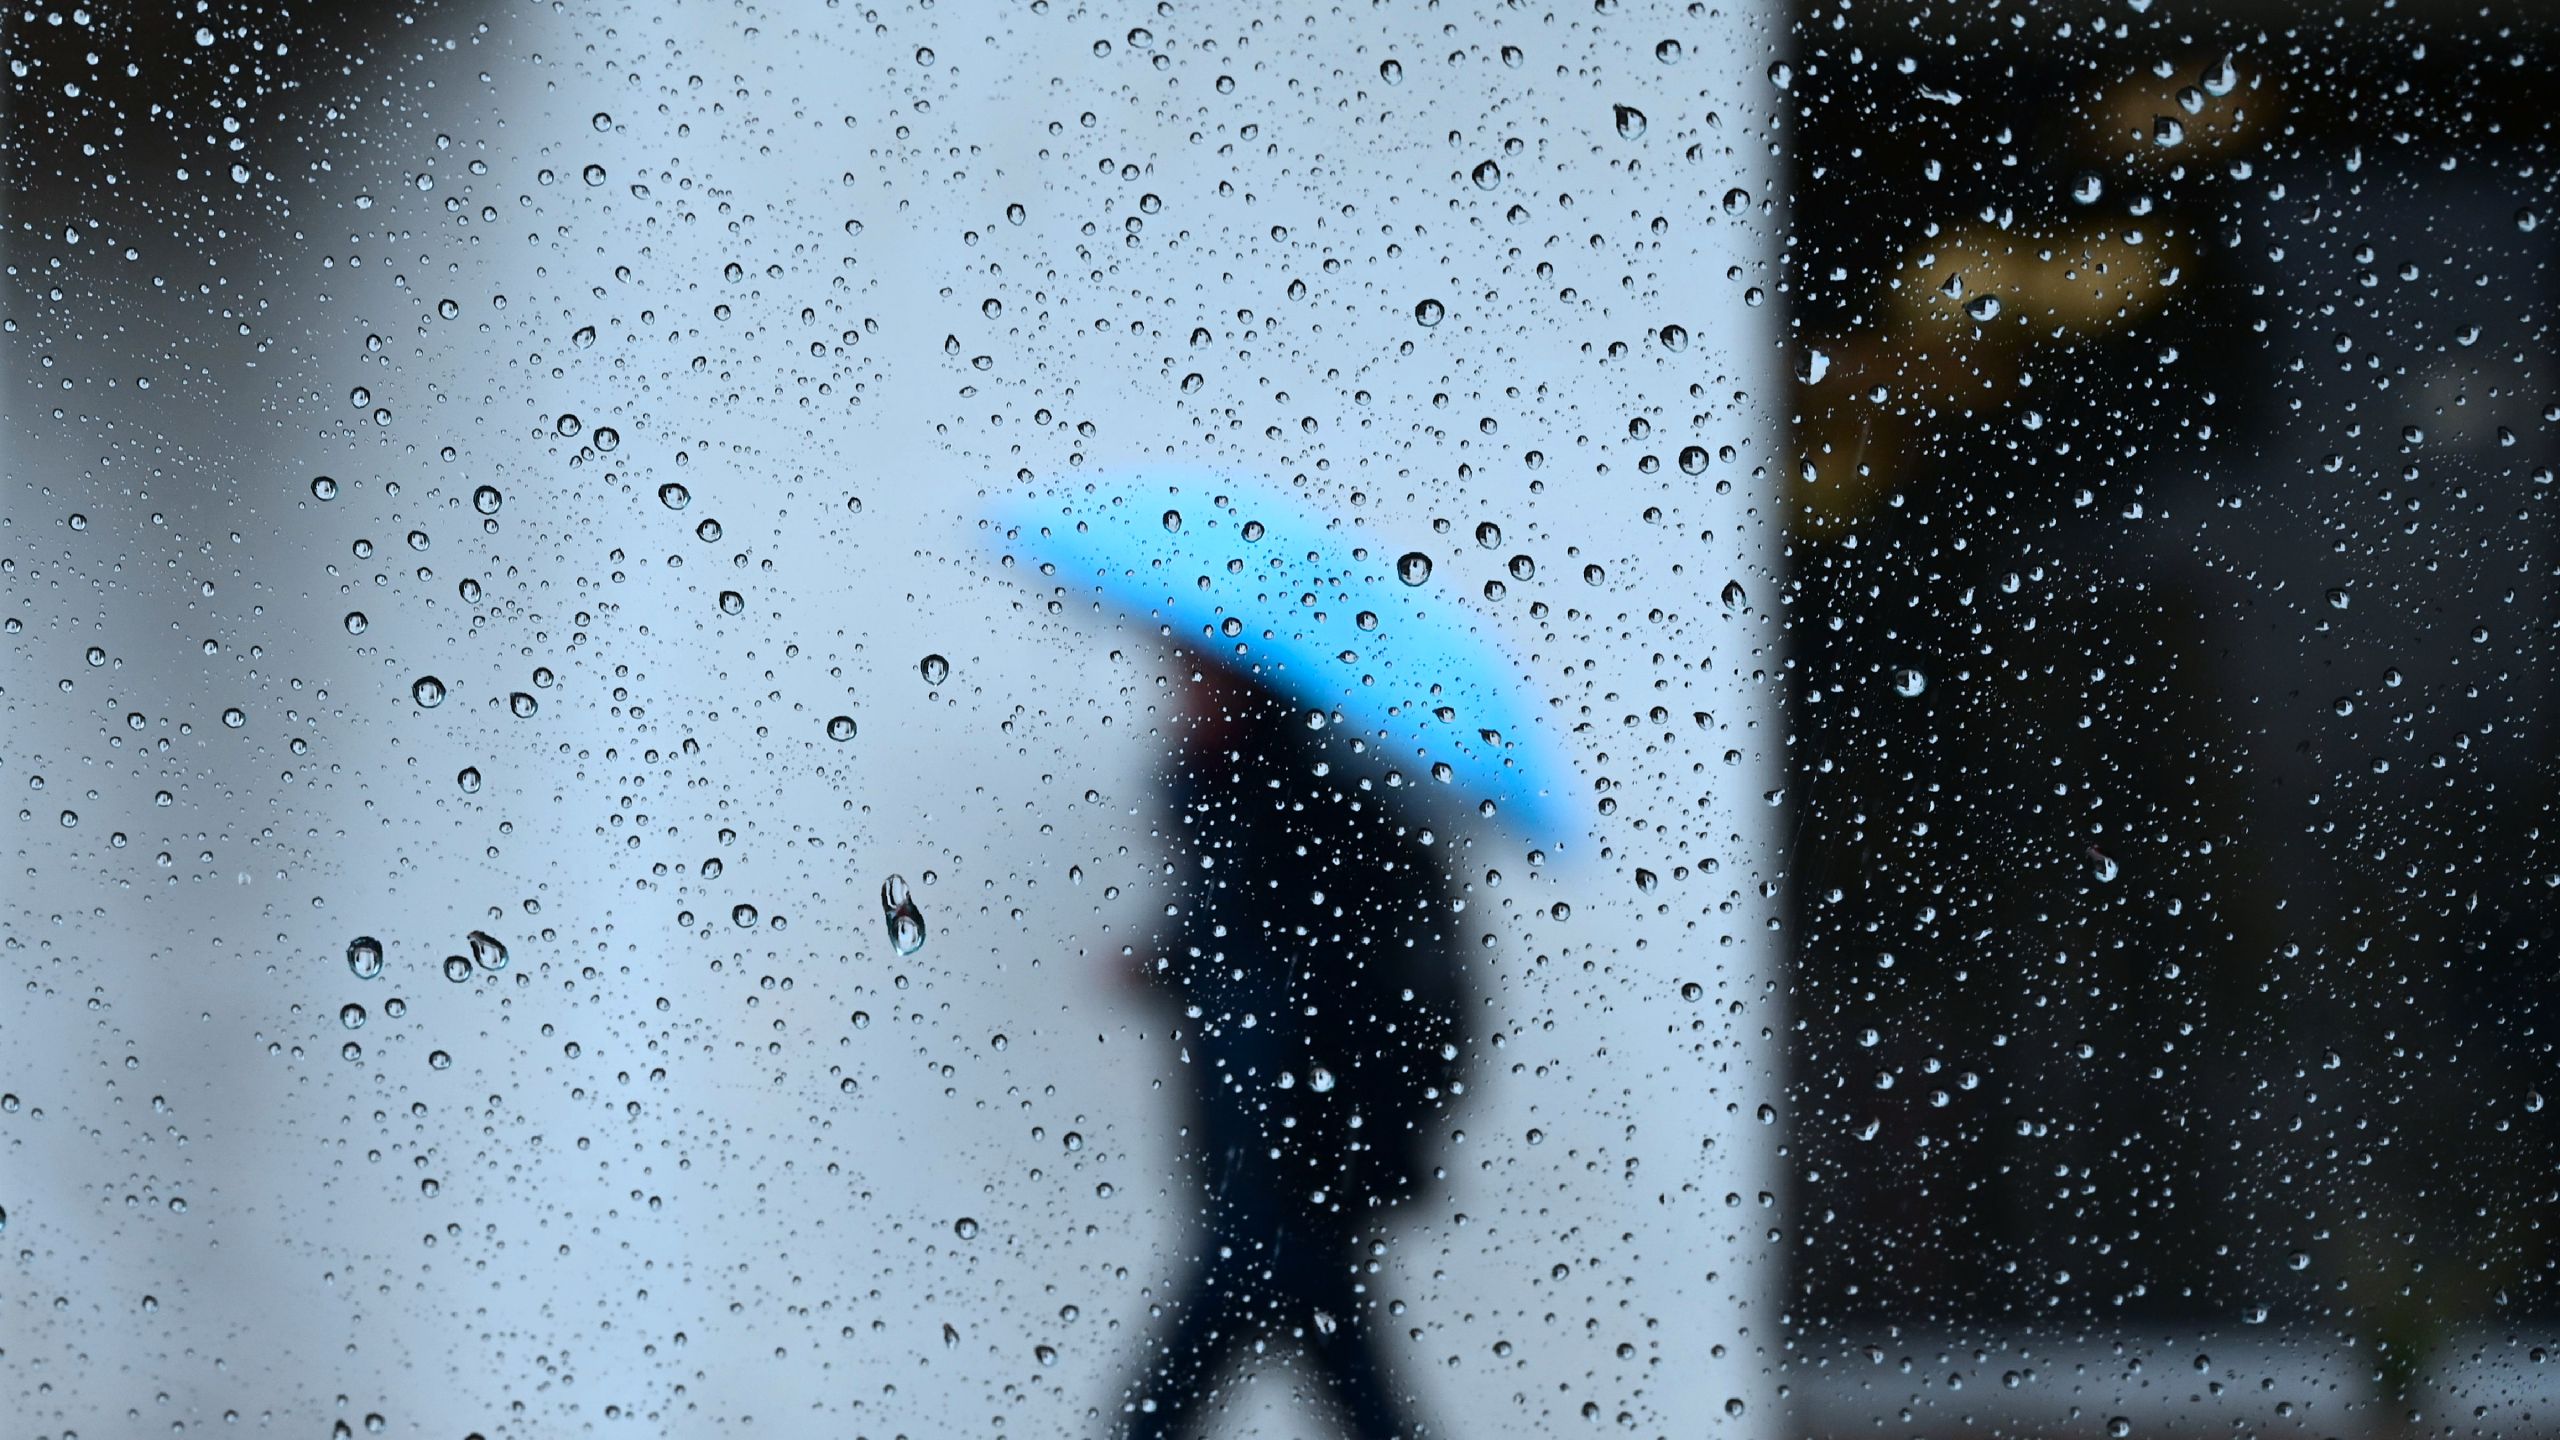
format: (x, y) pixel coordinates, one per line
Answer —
(1763, 719)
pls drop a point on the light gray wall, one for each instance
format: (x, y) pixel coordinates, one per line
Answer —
(1606, 1192)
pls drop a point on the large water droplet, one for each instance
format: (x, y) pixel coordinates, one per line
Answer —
(364, 957)
(906, 922)
(488, 951)
(1414, 568)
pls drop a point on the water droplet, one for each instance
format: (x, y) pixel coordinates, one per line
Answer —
(323, 488)
(1320, 1080)
(1735, 597)
(487, 951)
(235, 717)
(742, 915)
(607, 439)
(935, 669)
(428, 692)
(840, 729)
(674, 496)
(487, 500)
(1414, 568)
(732, 603)
(2168, 131)
(522, 705)
(1630, 122)
(457, 968)
(1908, 682)
(593, 174)
(351, 1015)
(965, 1228)
(1391, 71)
(584, 337)
(364, 957)
(906, 922)
(1668, 52)
(708, 532)
(1429, 313)
(469, 779)
(2086, 187)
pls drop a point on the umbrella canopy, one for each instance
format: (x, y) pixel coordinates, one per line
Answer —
(1254, 580)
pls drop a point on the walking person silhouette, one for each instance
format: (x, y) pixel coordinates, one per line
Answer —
(1311, 945)
(1310, 935)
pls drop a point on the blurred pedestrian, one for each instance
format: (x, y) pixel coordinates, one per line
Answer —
(1312, 947)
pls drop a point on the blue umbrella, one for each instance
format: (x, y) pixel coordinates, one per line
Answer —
(1251, 578)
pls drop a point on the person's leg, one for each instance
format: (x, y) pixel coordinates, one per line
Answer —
(1211, 1322)
(1222, 1309)
(1344, 1338)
